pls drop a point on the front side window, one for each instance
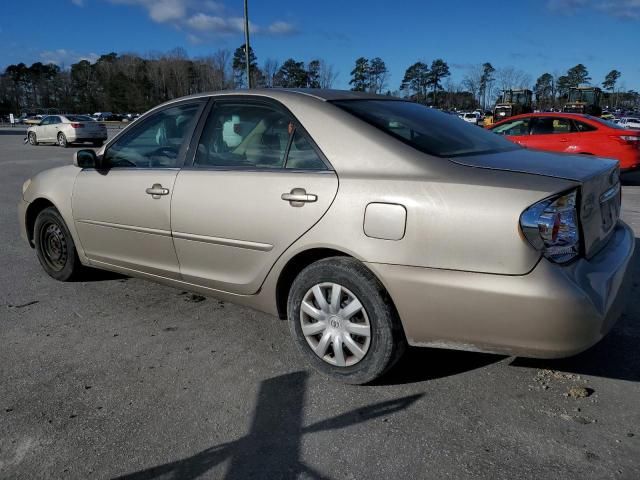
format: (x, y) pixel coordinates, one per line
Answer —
(515, 127)
(244, 136)
(426, 129)
(157, 142)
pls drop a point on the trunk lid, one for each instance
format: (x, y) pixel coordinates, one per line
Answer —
(598, 178)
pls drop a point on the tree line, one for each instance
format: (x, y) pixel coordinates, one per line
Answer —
(133, 83)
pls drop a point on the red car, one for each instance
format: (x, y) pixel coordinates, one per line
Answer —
(573, 133)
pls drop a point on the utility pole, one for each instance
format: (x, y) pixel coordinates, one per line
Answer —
(246, 43)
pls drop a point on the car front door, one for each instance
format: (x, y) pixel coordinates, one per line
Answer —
(256, 184)
(557, 134)
(43, 130)
(122, 210)
(516, 130)
(55, 123)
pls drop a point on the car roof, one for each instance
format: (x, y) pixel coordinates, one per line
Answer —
(575, 116)
(279, 93)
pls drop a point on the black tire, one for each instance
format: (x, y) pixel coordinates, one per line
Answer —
(97, 144)
(387, 340)
(62, 140)
(55, 247)
(33, 139)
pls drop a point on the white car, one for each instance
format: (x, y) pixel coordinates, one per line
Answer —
(629, 122)
(64, 130)
(470, 117)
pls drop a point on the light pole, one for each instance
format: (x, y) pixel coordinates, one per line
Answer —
(246, 43)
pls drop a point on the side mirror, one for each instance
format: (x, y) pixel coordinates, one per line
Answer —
(85, 159)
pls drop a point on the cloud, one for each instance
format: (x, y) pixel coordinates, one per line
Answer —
(63, 57)
(204, 19)
(281, 28)
(625, 9)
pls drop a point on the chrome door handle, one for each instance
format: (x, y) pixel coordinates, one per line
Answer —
(157, 190)
(298, 197)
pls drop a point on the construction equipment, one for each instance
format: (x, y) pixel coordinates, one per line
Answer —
(584, 100)
(513, 102)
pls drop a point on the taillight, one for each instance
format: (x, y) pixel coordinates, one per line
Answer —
(76, 125)
(628, 139)
(551, 226)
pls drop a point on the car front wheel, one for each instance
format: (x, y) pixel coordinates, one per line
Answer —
(343, 321)
(33, 140)
(55, 247)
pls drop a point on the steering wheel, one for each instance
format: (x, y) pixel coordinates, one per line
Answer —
(167, 151)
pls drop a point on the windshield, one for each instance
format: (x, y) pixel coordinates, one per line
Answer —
(426, 129)
(586, 96)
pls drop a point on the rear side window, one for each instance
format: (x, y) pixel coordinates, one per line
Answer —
(426, 129)
(584, 127)
(302, 156)
(551, 125)
(244, 136)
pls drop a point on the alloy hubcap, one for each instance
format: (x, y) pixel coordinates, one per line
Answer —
(335, 324)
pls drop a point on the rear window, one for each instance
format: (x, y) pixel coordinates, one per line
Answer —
(605, 122)
(79, 118)
(426, 129)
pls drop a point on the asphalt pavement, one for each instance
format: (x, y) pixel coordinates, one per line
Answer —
(116, 377)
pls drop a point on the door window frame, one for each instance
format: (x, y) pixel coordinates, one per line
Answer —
(258, 101)
(144, 121)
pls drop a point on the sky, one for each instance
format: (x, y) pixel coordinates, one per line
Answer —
(535, 36)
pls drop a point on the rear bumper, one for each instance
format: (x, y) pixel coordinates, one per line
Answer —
(86, 136)
(552, 312)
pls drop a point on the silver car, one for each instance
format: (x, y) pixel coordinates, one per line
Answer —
(368, 222)
(64, 130)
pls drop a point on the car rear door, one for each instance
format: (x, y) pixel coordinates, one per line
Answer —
(122, 210)
(557, 134)
(255, 184)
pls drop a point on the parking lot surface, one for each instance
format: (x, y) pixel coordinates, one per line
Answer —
(118, 377)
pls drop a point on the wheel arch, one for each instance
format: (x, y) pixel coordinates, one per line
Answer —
(34, 208)
(299, 262)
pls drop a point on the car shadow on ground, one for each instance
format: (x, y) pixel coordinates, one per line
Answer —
(423, 364)
(630, 179)
(271, 448)
(95, 275)
(617, 356)
(13, 131)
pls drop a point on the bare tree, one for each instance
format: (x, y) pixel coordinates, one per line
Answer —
(473, 79)
(510, 77)
(327, 75)
(269, 69)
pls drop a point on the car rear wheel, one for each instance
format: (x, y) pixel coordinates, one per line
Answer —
(62, 140)
(55, 247)
(98, 143)
(343, 321)
(33, 139)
